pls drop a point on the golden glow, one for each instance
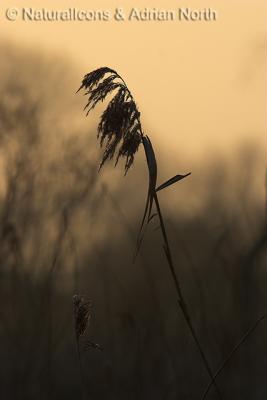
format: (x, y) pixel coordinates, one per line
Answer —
(199, 85)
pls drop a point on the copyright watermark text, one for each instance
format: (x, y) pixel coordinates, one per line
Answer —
(28, 14)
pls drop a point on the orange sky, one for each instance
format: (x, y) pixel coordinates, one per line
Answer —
(199, 85)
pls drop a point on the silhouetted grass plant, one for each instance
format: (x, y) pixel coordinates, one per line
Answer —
(120, 131)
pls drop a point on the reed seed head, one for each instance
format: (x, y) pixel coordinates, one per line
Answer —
(119, 129)
(82, 314)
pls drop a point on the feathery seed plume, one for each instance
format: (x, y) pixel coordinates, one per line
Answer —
(119, 127)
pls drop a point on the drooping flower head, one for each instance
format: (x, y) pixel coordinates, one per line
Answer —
(119, 129)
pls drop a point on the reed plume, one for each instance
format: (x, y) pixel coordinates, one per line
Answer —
(119, 127)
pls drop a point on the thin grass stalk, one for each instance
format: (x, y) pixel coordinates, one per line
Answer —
(49, 297)
(232, 353)
(181, 299)
(150, 284)
(83, 385)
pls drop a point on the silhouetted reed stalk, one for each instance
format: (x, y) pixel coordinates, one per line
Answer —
(120, 129)
(81, 311)
(82, 314)
(48, 293)
(149, 281)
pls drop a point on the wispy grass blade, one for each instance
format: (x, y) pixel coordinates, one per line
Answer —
(152, 170)
(171, 181)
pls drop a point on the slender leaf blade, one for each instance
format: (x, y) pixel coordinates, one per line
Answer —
(171, 181)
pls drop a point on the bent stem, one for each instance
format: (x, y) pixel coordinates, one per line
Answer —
(228, 359)
(181, 299)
